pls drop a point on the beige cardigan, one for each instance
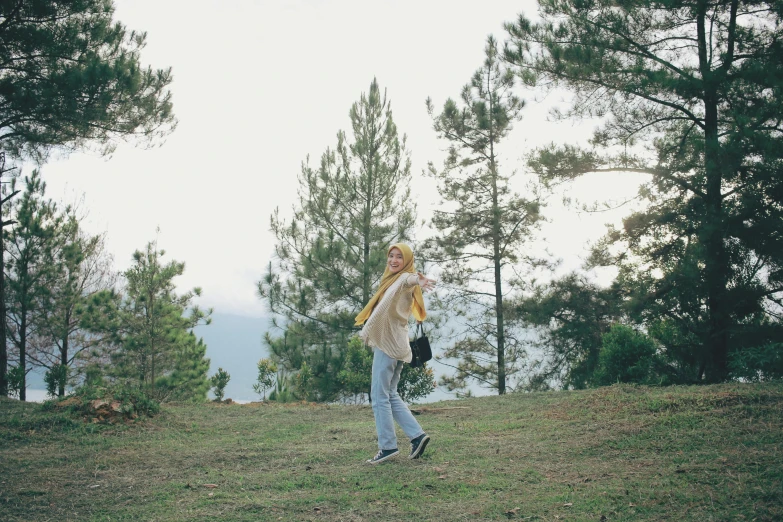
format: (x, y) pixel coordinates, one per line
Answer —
(387, 327)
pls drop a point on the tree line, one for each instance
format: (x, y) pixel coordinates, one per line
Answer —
(69, 313)
(688, 94)
(71, 79)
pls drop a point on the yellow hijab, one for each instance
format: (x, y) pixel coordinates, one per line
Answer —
(419, 313)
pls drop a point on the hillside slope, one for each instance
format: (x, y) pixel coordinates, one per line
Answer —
(616, 453)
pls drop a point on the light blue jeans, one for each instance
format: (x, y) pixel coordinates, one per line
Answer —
(387, 404)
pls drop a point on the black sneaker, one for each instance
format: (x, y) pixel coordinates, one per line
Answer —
(383, 455)
(417, 446)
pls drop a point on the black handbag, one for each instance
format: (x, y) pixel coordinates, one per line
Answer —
(420, 348)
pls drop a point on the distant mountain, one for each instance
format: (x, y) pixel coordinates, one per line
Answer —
(235, 343)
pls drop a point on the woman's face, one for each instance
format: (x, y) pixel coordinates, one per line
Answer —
(395, 261)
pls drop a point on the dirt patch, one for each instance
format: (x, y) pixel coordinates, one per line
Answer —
(103, 411)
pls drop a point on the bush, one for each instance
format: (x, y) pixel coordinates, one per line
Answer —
(266, 377)
(108, 403)
(94, 376)
(55, 377)
(626, 356)
(416, 383)
(282, 391)
(219, 382)
(134, 401)
(356, 376)
(758, 364)
(302, 386)
(15, 377)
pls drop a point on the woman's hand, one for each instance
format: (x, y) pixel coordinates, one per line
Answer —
(426, 283)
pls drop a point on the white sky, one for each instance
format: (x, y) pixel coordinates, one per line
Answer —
(259, 85)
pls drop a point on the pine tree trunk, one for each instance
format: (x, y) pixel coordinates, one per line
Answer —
(366, 260)
(501, 333)
(23, 356)
(368, 208)
(3, 324)
(715, 263)
(3, 316)
(150, 349)
(498, 282)
(63, 360)
(496, 232)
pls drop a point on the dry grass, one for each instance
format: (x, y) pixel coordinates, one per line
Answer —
(617, 453)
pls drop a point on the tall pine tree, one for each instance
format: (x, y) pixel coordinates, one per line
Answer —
(71, 78)
(30, 269)
(6, 195)
(482, 228)
(82, 269)
(690, 93)
(332, 253)
(568, 317)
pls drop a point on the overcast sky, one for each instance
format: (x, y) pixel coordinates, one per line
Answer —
(259, 85)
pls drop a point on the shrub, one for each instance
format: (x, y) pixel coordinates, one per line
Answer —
(282, 391)
(266, 377)
(302, 384)
(356, 374)
(15, 378)
(626, 356)
(135, 401)
(758, 364)
(108, 403)
(94, 376)
(55, 377)
(416, 383)
(219, 382)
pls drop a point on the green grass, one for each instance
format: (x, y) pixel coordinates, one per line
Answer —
(616, 453)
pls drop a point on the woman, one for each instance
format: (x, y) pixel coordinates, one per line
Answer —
(385, 320)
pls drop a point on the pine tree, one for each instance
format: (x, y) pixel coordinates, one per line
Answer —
(332, 253)
(70, 77)
(30, 270)
(267, 372)
(5, 197)
(483, 227)
(188, 380)
(689, 93)
(568, 317)
(151, 327)
(82, 268)
(219, 381)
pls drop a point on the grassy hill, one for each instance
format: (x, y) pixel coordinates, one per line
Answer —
(617, 453)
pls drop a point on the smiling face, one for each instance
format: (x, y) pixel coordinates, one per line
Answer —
(395, 260)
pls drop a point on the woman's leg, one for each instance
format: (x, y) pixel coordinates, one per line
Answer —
(383, 370)
(399, 409)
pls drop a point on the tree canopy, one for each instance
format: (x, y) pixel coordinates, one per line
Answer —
(151, 328)
(71, 77)
(689, 93)
(332, 253)
(481, 227)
